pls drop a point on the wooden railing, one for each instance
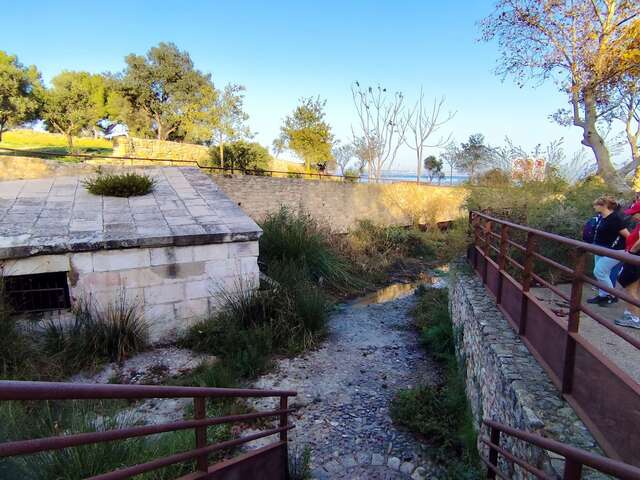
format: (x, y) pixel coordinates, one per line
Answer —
(574, 458)
(269, 462)
(606, 397)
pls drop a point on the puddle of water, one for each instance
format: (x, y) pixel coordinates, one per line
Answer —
(398, 290)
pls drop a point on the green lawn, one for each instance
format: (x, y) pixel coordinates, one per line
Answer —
(31, 141)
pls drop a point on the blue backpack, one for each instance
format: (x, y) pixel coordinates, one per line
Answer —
(589, 229)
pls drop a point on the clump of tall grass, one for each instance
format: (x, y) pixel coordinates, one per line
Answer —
(253, 325)
(19, 421)
(440, 413)
(297, 238)
(99, 333)
(120, 185)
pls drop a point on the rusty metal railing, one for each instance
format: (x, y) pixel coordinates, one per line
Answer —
(275, 455)
(574, 458)
(230, 169)
(604, 396)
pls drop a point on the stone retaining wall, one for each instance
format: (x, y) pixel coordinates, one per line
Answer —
(504, 382)
(340, 205)
(151, 148)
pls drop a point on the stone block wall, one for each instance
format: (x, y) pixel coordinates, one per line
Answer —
(174, 286)
(504, 382)
(340, 205)
(151, 148)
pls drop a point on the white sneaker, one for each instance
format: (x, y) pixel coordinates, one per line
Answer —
(628, 321)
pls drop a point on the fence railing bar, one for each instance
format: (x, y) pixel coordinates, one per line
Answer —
(184, 456)
(603, 464)
(553, 263)
(517, 245)
(610, 326)
(495, 469)
(25, 447)
(595, 249)
(19, 390)
(514, 262)
(551, 287)
(505, 453)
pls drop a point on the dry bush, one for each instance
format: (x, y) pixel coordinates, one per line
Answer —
(423, 204)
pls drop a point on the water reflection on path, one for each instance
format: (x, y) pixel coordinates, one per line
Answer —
(399, 290)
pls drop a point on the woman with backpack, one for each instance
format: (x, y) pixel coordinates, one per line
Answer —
(610, 232)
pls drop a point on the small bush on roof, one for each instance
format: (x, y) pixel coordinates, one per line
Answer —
(124, 185)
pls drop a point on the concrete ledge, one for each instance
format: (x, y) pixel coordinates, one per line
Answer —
(504, 382)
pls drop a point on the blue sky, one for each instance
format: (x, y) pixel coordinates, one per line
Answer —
(282, 51)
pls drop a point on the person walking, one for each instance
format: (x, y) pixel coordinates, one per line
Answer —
(611, 232)
(630, 275)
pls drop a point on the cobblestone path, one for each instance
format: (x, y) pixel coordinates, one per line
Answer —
(345, 388)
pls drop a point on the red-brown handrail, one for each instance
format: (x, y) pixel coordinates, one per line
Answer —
(575, 458)
(586, 377)
(14, 390)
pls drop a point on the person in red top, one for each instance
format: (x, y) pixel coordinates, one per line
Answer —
(629, 277)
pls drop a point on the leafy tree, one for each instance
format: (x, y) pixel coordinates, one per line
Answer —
(587, 46)
(177, 100)
(241, 155)
(433, 168)
(230, 118)
(306, 133)
(475, 155)
(75, 102)
(20, 92)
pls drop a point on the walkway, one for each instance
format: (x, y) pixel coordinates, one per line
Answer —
(345, 388)
(623, 354)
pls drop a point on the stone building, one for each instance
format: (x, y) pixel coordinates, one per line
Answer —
(172, 251)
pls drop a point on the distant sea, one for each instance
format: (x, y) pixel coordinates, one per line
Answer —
(408, 176)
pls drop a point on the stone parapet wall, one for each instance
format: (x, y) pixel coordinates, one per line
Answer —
(340, 205)
(504, 382)
(174, 286)
(151, 148)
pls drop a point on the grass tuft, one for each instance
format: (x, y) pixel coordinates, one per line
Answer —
(120, 185)
(99, 333)
(440, 414)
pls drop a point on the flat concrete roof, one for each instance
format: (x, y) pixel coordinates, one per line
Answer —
(57, 215)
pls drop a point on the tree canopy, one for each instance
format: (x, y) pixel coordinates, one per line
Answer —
(20, 92)
(75, 101)
(242, 155)
(178, 101)
(586, 46)
(306, 133)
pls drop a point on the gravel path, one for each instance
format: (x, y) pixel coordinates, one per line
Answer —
(345, 388)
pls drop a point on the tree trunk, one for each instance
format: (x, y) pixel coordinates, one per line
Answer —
(221, 147)
(419, 170)
(591, 138)
(70, 142)
(451, 175)
(635, 156)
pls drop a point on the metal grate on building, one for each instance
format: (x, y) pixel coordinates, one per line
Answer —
(38, 292)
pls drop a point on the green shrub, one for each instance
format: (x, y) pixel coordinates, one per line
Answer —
(242, 155)
(111, 332)
(300, 464)
(255, 324)
(19, 421)
(352, 175)
(296, 237)
(122, 185)
(440, 413)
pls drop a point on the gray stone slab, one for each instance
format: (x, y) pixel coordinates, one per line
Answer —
(59, 215)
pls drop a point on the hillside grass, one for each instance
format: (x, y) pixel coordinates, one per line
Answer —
(32, 141)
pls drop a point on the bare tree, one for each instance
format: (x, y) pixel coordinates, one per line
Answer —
(381, 126)
(451, 156)
(423, 121)
(343, 155)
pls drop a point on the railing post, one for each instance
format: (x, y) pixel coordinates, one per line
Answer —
(573, 322)
(487, 255)
(526, 282)
(283, 435)
(199, 413)
(502, 260)
(493, 453)
(572, 470)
